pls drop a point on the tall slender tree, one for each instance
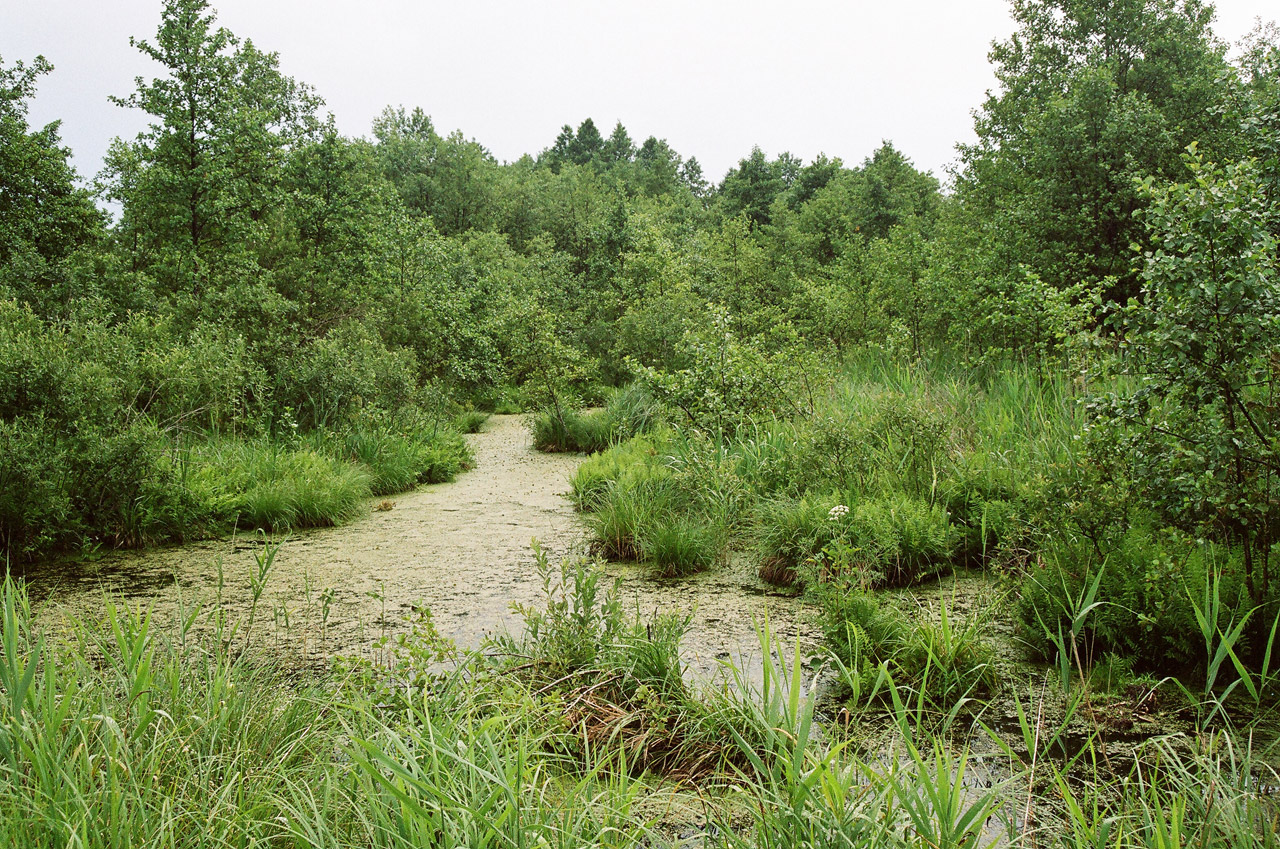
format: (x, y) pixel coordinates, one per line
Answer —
(203, 177)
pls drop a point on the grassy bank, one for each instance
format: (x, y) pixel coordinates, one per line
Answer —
(154, 490)
(579, 731)
(899, 475)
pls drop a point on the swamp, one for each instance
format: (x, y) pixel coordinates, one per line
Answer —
(375, 492)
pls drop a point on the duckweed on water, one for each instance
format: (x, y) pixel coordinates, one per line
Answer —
(578, 731)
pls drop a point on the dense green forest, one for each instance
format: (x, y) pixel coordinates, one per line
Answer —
(1058, 365)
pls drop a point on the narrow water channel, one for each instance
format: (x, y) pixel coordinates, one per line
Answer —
(461, 550)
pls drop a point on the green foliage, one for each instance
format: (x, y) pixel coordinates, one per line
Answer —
(728, 381)
(1147, 582)
(671, 505)
(568, 430)
(34, 482)
(399, 458)
(790, 533)
(44, 218)
(1200, 428)
(1092, 95)
(654, 519)
(628, 412)
(944, 661)
(198, 185)
(679, 544)
(582, 617)
(258, 484)
(470, 421)
(115, 732)
(336, 376)
(878, 542)
(621, 463)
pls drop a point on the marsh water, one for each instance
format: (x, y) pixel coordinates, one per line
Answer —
(461, 550)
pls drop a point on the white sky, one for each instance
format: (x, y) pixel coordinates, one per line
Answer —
(712, 77)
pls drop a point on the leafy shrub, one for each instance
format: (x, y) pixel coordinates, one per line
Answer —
(338, 375)
(35, 503)
(126, 486)
(581, 618)
(833, 452)
(726, 382)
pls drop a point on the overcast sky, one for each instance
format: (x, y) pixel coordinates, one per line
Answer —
(712, 77)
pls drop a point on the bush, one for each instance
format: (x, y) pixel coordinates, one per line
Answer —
(337, 376)
(35, 504)
(126, 487)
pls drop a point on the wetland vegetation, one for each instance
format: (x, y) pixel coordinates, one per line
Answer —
(1009, 445)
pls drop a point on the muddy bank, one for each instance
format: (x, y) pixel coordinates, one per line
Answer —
(461, 550)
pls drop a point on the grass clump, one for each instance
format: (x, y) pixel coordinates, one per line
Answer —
(565, 430)
(671, 505)
(645, 517)
(470, 421)
(124, 736)
(940, 659)
(623, 678)
(398, 459)
(680, 545)
(880, 542)
(629, 460)
(936, 471)
(128, 735)
(260, 484)
(628, 412)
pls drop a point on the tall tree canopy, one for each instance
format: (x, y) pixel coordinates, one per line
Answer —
(197, 185)
(1094, 96)
(42, 212)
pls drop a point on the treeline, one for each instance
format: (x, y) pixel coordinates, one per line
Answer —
(268, 281)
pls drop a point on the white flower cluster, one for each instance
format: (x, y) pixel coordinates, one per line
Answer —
(837, 513)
